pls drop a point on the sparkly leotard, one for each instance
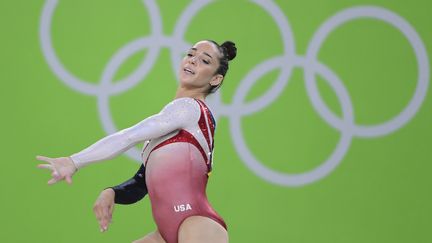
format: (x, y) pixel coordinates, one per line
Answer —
(178, 157)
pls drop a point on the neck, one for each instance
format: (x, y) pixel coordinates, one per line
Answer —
(191, 93)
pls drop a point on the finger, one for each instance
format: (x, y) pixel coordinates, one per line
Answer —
(44, 158)
(45, 166)
(54, 180)
(104, 219)
(100, 221)
(106, 213)
(68, 179)
(97, 207)
(103, 223)
(99, 215)
(104, 226)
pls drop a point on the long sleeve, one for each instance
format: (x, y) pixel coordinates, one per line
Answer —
(176, 115)
(132, 190)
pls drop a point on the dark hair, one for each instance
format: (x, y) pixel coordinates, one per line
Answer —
(229, 52)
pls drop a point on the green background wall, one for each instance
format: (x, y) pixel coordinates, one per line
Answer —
(378, 189)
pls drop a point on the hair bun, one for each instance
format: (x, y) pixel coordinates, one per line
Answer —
(230, 49)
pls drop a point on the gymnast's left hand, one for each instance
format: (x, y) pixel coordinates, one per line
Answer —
(61, 168)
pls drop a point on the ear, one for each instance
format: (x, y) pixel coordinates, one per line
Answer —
(216, 80)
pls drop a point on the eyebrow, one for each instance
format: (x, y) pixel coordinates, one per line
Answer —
(194, 49)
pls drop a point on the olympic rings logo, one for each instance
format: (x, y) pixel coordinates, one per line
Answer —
(235, 111)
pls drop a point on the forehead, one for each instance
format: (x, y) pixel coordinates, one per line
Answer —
(206, 46)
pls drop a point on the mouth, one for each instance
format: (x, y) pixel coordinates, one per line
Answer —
(188, 70)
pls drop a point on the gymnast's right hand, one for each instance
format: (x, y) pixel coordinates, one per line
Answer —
(61, 168)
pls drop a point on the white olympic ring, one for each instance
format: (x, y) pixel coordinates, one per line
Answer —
(235, 111)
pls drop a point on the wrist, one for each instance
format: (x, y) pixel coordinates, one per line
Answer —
(109, 191)
(73, 163)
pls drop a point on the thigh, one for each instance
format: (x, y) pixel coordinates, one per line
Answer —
(153, 237)
(198, 229)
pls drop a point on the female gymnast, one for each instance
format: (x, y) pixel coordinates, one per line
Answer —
(177, 155)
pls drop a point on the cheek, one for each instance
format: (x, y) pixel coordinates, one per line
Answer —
(208, 71)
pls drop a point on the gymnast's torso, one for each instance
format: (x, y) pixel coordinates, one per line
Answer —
(177, 167)
(177, 153)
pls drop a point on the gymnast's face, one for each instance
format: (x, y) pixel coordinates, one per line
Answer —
(198, 68)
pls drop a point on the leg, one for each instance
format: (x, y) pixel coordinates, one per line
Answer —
(198, 229)
(153, 237)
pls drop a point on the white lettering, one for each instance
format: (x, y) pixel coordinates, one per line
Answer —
(182, 207)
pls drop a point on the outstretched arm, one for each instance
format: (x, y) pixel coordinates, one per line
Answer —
(177, 114)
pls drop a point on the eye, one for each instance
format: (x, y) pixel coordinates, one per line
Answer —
(189, 54)
(206, 62)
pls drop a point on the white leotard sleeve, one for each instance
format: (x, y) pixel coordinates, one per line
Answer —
(178, 114)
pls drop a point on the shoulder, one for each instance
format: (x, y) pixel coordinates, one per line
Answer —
(182, 110)
(185, 104)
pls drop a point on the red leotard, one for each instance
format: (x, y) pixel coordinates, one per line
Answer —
(176, 176)
(178, 157)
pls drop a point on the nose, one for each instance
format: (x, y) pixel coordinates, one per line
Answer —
(192, 60)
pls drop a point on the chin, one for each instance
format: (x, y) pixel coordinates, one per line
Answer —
(187, 79)
(187, 83)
